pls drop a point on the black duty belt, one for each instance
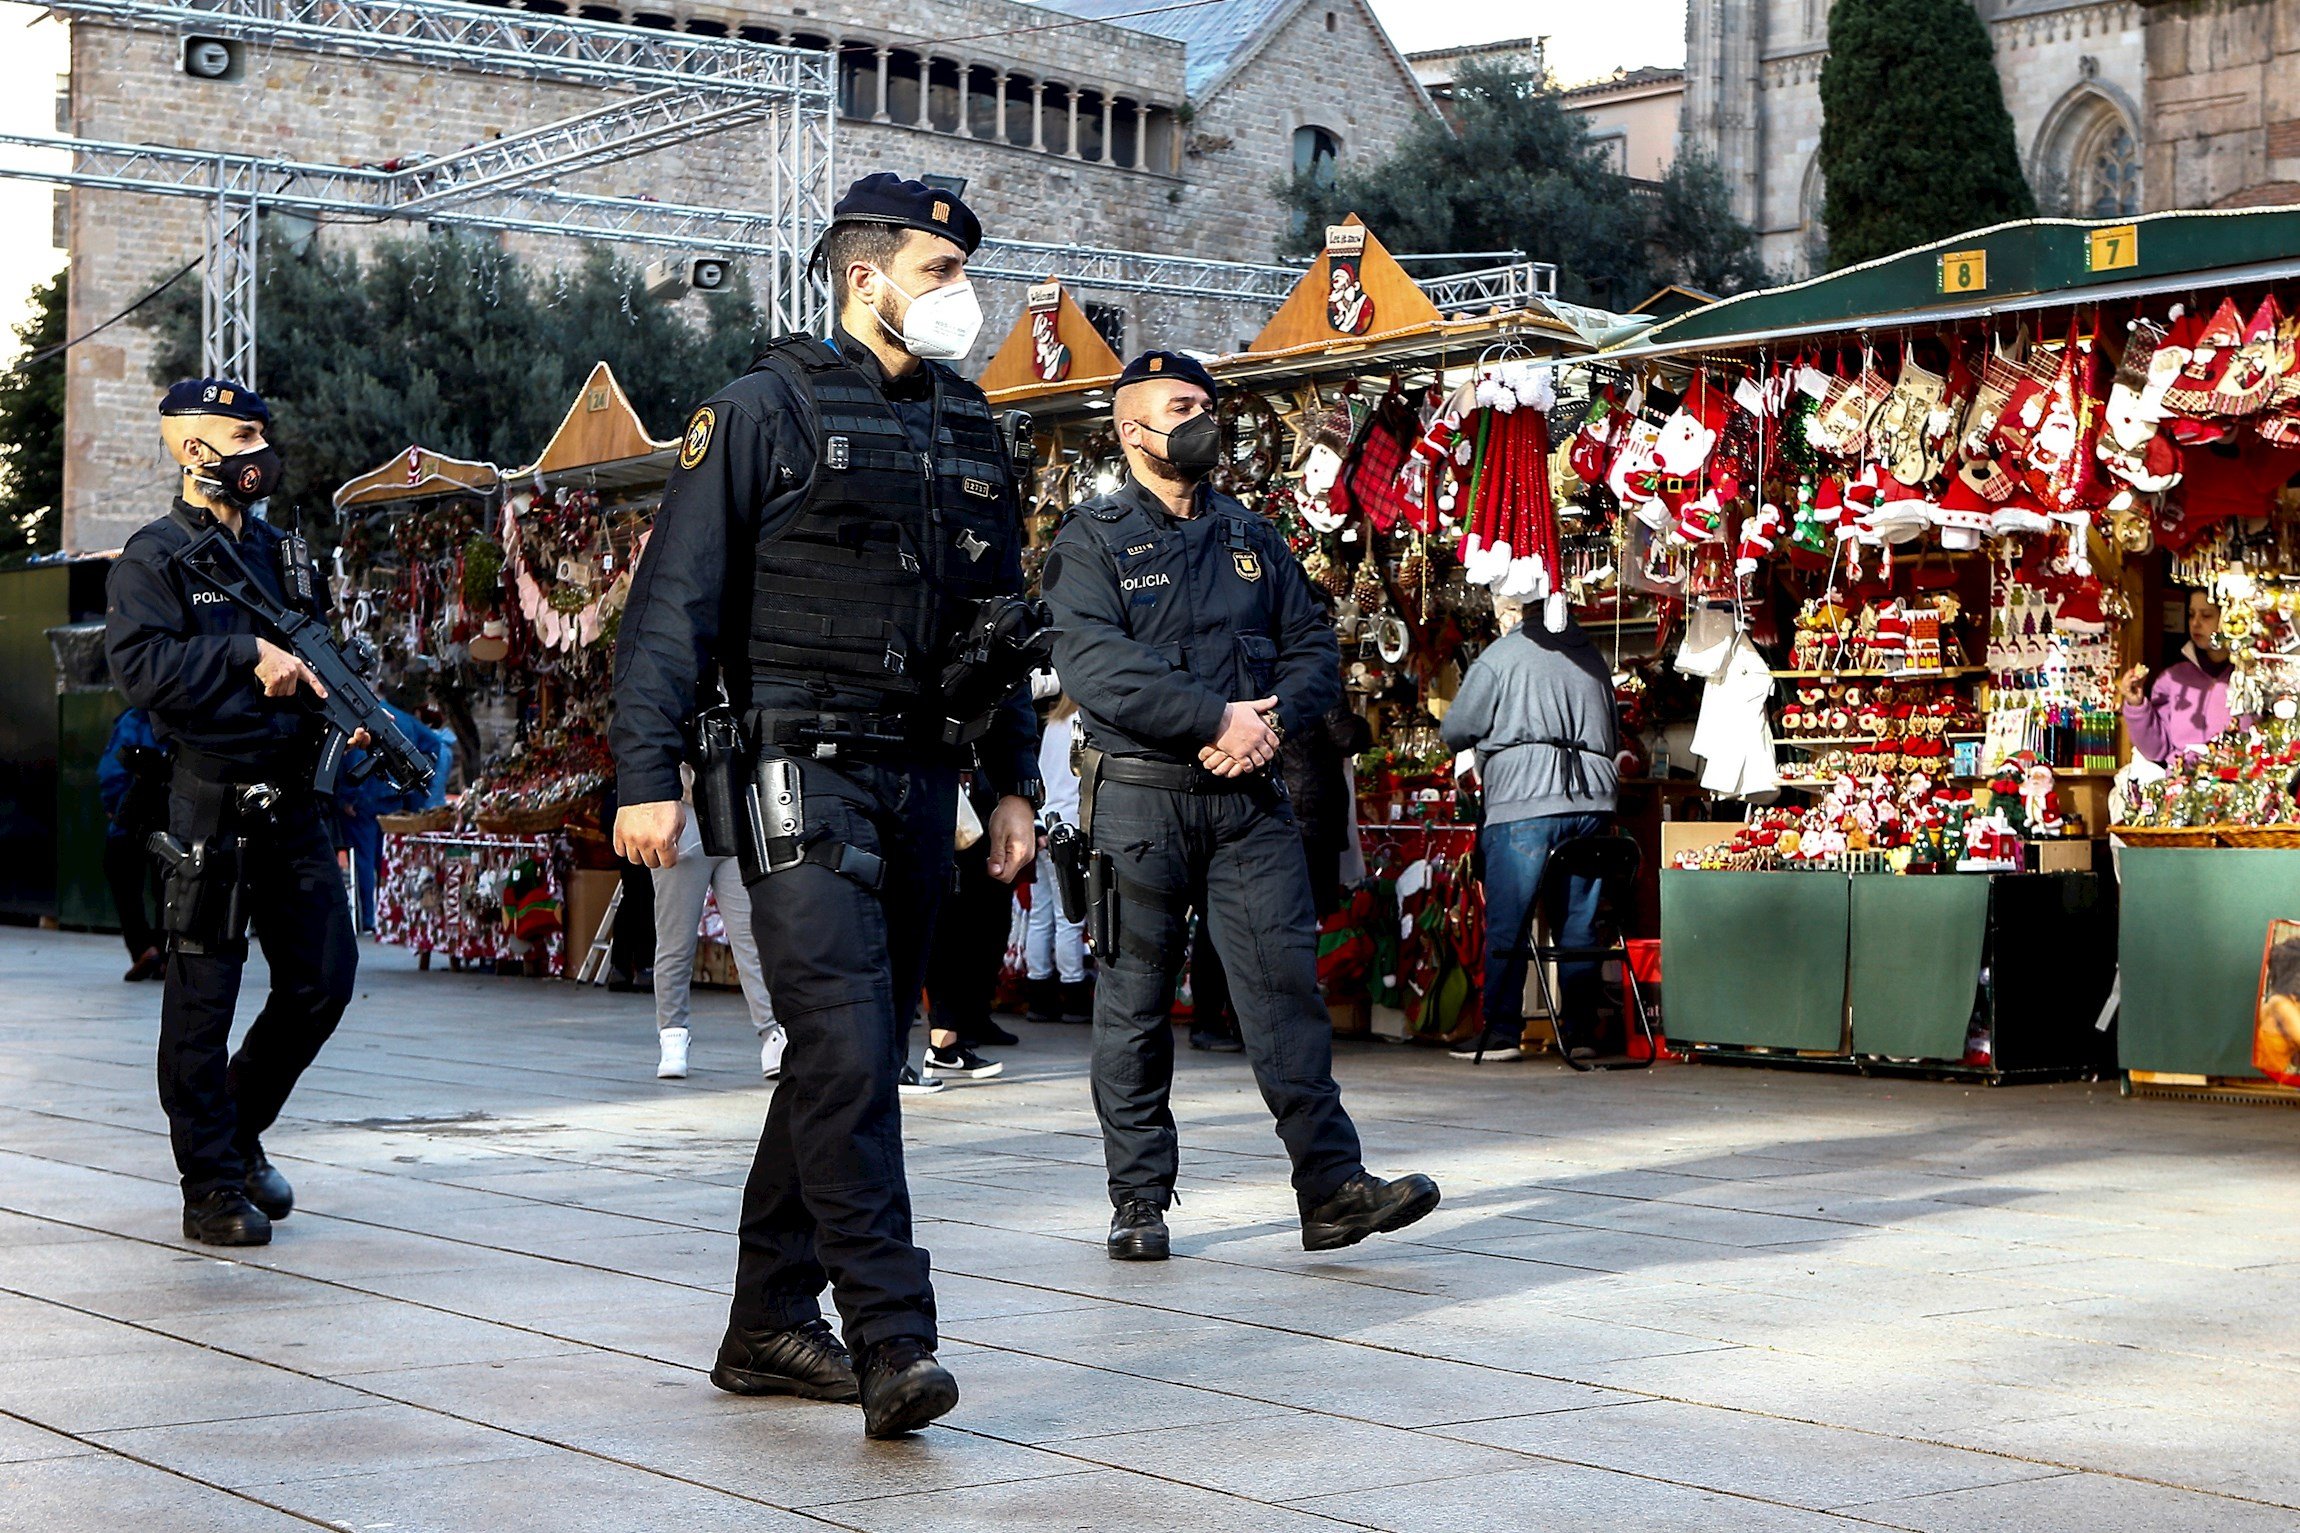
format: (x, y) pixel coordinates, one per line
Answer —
(830, 733)
(195, 764)
(1175, 776)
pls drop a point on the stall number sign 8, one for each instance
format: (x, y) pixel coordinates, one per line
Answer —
(2113, 249)
(1964, 271)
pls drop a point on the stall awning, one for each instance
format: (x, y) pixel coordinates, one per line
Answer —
(601, 441)
(2032, 264)
(418, 474)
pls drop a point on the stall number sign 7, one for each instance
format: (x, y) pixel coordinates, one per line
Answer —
(2111, 249)
(1964, 271)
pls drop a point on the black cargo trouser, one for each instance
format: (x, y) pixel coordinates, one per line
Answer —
(1236, 857)
(218, 1103)
(826, 1200)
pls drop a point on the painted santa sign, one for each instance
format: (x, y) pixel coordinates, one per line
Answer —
(1049, 358)
(1348, 310)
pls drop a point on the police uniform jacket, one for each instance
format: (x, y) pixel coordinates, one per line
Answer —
(743, 476)
(1164, 621)
(187, 654)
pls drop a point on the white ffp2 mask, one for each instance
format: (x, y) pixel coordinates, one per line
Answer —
(940, 325)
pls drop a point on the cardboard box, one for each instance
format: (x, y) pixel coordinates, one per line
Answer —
(1692, 835)
(1352, 1018)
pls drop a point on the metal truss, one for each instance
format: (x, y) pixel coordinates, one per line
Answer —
(1132, 271)
(1518, 285)
(572, 145)
(683, 87)
(479, 39)
(687, 87)
(228, 277)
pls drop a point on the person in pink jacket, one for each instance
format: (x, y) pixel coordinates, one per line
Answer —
(2188, 703)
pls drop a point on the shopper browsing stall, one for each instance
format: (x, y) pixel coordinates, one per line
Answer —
(2187, 705)
(1538, 708)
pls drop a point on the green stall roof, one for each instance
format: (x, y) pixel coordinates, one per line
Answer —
(2031, 264)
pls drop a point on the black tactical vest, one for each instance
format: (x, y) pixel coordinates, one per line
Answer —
(859, 594)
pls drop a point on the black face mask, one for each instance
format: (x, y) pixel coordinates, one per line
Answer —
(1195, 446)
(246, 477)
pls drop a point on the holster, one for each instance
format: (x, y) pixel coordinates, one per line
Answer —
(722, 772)
(1068, 853)
(771, 833)
(202, 910)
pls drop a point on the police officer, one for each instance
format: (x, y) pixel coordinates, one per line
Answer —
(836, 515)
(1190, 638)
(235, 709)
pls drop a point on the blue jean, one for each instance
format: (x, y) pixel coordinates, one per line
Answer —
(1516, 852)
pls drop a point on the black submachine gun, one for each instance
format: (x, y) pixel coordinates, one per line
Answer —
(350, 705)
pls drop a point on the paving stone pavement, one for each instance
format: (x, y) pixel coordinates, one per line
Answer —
(1696, 1298)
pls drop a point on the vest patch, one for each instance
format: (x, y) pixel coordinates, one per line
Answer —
(1248, 563)
(1144, 582)
(836, 452)
(696, 444)
(1135, 550)
(208, 598)
(979, 488)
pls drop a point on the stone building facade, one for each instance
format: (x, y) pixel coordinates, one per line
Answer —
(2224, 102)
(2118, 106)
(1083, 132)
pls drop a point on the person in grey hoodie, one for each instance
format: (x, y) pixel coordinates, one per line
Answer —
(1538, 708)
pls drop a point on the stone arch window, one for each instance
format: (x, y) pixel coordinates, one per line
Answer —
(2087, 158)
(1813, 218)
(1316, 152)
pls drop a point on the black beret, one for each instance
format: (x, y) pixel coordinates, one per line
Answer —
(885, 198)
(1169, 364)
(215, 396)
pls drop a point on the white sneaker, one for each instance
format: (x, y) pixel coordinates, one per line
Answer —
(673, 1065)
(771, 1046)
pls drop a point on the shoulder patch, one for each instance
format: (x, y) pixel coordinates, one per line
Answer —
(696, 444)
(1051, 574)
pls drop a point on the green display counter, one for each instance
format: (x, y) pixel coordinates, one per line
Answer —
(1917, 945)
(1879, 970)
(2195, 921)
(1754, 960)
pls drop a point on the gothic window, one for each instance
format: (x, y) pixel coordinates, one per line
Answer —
(1315, 151)
(2110, 170)
(2087, 160)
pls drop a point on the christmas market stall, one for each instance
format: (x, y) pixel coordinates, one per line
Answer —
(1934, 508)
(498, 606)
(1411, 456)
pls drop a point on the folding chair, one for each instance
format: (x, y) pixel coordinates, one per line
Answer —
(1612, 863)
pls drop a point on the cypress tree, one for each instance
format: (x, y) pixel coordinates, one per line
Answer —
(1916, 144)
(32, 431)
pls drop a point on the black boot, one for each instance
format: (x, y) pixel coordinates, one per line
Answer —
(267, 1189)
(1366, 1205)
(807, 1360)
(1137, 1232)
(1078, 1000)
(226, 1218)
(1045, 1000)
(903, 1387)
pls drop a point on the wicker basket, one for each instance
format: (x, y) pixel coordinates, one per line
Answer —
(2167, 835)
(417, 823)
(2270, 837)
(525, 822)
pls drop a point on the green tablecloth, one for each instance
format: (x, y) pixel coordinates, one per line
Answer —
(2194, 923)
(1754, 959)
(1916, 969)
